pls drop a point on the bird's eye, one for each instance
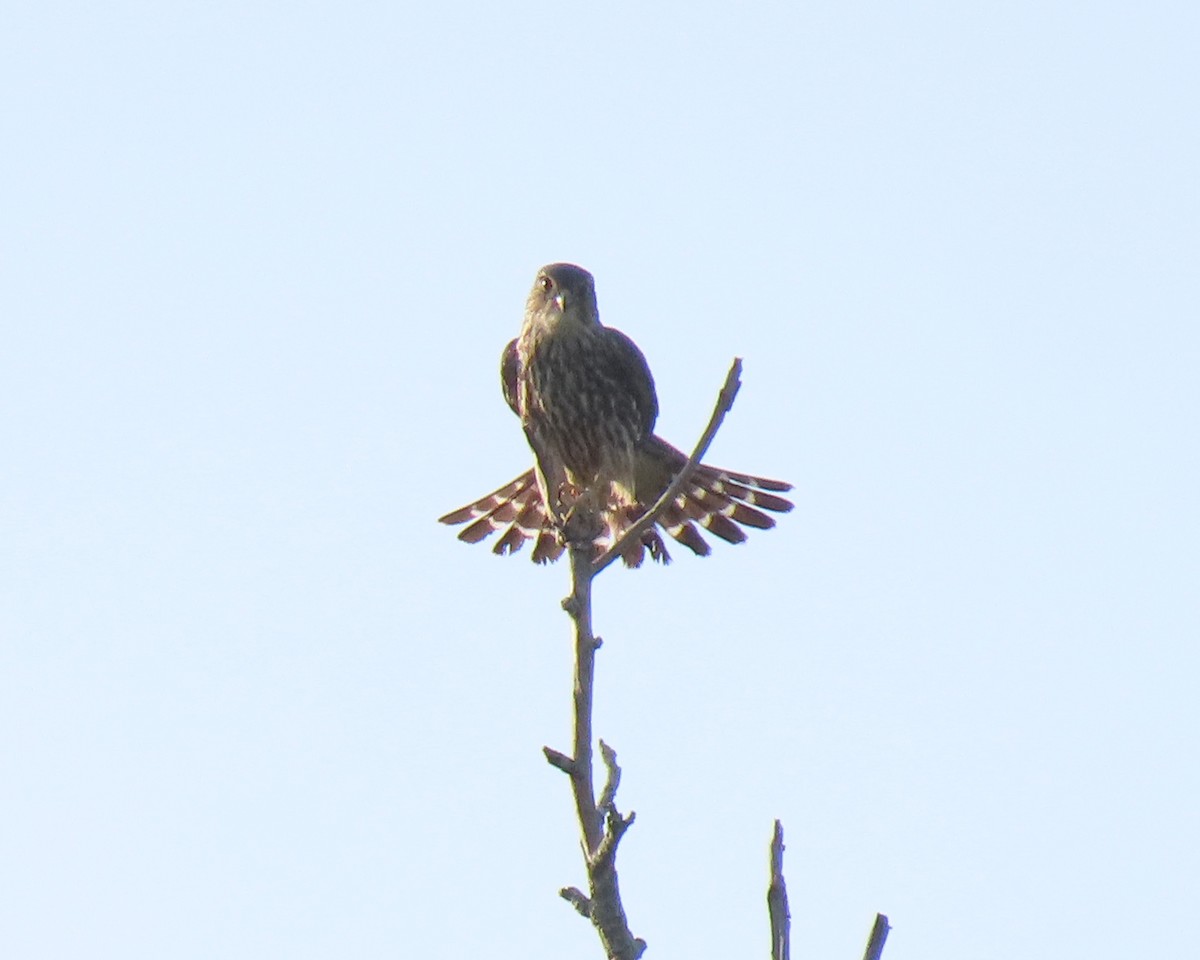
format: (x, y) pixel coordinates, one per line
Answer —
(545, 283)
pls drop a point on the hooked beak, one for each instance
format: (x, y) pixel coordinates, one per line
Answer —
(561, 302)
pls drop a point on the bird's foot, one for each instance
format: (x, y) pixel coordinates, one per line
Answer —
(576, 519)
(580, 524)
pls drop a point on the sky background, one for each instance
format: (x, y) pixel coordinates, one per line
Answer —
(258, 262)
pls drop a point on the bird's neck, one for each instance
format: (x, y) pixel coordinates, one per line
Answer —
(562, 328)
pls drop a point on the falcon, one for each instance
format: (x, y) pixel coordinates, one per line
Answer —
(586, 400)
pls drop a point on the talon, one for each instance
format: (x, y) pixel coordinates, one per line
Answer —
(568, 495)
(581, 526)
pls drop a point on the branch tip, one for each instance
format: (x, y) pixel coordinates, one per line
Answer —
(560, 760)
(576, 898)
(777, 900)
(878, 938)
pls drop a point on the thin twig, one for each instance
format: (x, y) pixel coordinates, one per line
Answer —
(777, 901)
(878, 938)
(615, 826)
(613, 780)
(578, 899)
(733, 382)
(558, 759)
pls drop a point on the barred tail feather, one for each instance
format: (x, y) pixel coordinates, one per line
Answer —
(548, 547)
(719, 501)
(517, 509)
(516, 506)
(635, 553)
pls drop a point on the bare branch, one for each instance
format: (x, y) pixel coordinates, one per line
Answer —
(609, 793)
(878, 938)
(559, 760)
(578, 899)
(777, 901)
(615, 826)
(733, 382)
(601, 825)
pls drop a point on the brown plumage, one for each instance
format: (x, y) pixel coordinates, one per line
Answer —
(586, 400)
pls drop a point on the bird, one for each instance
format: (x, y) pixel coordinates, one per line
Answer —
(586, 400)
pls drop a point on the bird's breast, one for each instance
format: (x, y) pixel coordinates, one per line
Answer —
(572, 398)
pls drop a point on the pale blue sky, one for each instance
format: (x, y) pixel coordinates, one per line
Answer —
(258, 264)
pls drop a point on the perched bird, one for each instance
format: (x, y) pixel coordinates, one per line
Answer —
(586, 400)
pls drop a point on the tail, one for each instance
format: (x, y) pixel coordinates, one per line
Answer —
(518, 506)
(720, 501)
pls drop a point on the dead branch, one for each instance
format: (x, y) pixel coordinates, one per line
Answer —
(777, 901)
(601, 824)
(877, 939)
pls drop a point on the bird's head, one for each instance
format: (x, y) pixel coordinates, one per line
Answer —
(563, 297)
